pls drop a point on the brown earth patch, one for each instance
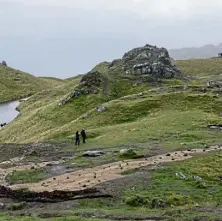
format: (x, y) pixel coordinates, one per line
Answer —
(90, 177)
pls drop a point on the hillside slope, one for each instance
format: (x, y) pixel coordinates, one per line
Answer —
(141, 107)
(202, 68)
(16, 84)
(148, 116)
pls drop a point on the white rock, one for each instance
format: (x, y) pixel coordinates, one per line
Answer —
(94, 153)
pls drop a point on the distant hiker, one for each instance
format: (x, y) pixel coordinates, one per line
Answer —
(77, 138)
(83, 134)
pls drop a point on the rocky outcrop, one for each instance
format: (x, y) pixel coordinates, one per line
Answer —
(3, 63)
(115, 62)
(77, 93)
(100, 109)
(150, 60)
(95, 153)
(214, 84)
(3, 125)
(89, 84)
(215, 126)
(92, 79)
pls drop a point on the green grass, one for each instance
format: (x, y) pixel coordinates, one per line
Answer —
(152, 119)
(162, 184)
(85, 162)
(26, 176)
(16, 218)
(177, 192)
(203, 68)
(137, 114)
(175, 119)
(16, 84)
(179, 118)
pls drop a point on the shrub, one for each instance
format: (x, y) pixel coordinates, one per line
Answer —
(159, 203)
(179, 200)
(17, 206)
(136, 201)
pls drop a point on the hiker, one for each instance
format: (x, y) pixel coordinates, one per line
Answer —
(77, 138)
(83, 134)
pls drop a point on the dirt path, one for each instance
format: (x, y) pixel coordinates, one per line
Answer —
(91, 177)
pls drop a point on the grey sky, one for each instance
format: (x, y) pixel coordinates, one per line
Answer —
(66, 37)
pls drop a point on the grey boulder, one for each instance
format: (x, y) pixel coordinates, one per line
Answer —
(94, 153)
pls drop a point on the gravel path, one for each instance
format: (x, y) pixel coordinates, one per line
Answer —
(91, 177)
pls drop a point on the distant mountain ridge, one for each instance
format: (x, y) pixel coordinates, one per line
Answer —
(206, 51)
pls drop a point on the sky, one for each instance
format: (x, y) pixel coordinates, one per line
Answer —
(63, 38)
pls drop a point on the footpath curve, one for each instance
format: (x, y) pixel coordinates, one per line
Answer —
(90, 177)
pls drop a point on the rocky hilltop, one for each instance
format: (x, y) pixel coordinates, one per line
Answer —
(140, 63)
(150, 60)
(141, 118)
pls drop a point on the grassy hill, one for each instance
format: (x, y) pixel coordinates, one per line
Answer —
(202, 68)
(16, 84)
(151, 115)
(141, 111)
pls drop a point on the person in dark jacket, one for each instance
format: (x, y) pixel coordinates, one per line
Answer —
(83, 134)
(77, 138)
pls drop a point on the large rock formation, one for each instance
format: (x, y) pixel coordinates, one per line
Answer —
(150, 60)
(89, 84)
(92, 79)
(3, 63)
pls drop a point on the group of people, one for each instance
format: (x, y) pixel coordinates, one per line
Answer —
(77, 137)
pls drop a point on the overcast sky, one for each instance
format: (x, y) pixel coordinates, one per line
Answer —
(66, 37)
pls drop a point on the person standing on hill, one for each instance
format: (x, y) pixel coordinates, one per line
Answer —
(77, 138)
(83, 134)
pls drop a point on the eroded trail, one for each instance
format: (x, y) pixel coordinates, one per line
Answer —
(91, 177)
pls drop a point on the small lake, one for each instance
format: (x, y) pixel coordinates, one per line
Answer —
(8, 111)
